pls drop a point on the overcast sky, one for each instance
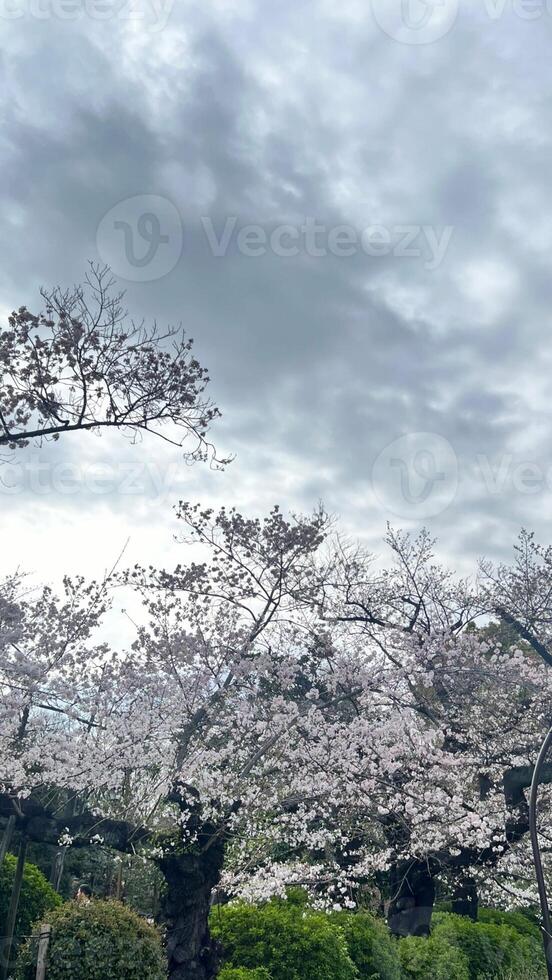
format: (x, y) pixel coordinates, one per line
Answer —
(379, 338)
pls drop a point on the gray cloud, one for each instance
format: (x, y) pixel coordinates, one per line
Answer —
(269, 115)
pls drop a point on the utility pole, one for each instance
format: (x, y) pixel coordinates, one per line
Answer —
(546, 924)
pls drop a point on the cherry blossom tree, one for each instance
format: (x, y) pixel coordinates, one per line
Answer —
(288, 714)
(81, 364)
(483, 694)
(226, 715)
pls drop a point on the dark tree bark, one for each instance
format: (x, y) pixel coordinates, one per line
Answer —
(412, 899)
(190, 879)
(44, 824)
(465, 900)
(5, 840)
(190, 876)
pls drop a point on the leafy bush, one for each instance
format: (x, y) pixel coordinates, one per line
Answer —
(37, 896)
(92, 940)
(291, 942)
(432, 959)
(242, 973)
(371, 946)
(491, 949)
(520, 921)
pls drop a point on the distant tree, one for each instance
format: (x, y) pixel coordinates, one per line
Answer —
(81, 364)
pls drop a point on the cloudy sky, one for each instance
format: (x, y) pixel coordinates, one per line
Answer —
(349, 207)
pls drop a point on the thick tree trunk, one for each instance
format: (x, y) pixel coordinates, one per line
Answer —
(413, 897)
(190, 879)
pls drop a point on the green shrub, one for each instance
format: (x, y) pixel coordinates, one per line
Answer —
(492, 950)
(371, 946)
(37, 896)
(291, 942)
(242, 973)
(432, 959)
(295, 896)
(97, 941)
(520, 921)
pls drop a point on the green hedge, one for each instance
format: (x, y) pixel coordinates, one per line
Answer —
(290, 942)
(433, 958)
(37, 896)
(371, 946)
(97, 941)
(242, 973)
(492, 949)
(520, 921)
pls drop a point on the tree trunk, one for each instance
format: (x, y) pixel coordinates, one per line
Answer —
(190, 879)
(6, 838)
(57, 867)
(118, 892)
(413, 897)
(465, 900)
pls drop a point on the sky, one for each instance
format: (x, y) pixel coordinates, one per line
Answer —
(348, 206)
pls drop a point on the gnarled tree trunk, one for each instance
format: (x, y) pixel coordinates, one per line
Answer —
(190, 879)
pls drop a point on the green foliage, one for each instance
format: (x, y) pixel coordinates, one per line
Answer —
(520, 921)
(491, 949)
(97, 940)
(97, 867)
(291, 942)
(37, 896)
(500, 946)
(432, 959)
(371, 946)
(297, 896)
(242, 973)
